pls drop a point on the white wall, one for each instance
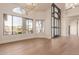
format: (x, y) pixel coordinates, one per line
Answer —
(70, 17)
(73, 28)
(48, 23)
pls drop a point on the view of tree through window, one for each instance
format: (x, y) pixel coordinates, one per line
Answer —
(20, 25)
(17, 25)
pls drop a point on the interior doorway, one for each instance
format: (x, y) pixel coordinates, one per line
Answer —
(74, 27)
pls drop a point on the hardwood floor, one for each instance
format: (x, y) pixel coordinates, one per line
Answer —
(57, 46)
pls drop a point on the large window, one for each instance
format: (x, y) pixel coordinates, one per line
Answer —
(55, 21)
(17, 25)
(39, 26)
(29, 26)
(7, 24)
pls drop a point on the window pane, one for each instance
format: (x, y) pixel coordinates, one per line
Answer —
(56, 15)
(56, 10)
(29, 26)
(52, 21)
(39, 26)
(55, 31)
(17, 25)
(52, 9)
(56, 22)
(52, 32)
(7, 24)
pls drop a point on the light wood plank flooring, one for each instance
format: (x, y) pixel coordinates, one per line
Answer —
(57, 46)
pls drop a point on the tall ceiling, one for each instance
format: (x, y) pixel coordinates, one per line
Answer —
(39, 7)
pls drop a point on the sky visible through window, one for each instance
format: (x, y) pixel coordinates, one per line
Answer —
(17, 21)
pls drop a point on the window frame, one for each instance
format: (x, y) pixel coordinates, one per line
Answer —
(42, 26)
(4, 25)
(55, 21)
(12, 24)
(28, 25)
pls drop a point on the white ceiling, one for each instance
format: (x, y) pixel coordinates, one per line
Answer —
(40, 7)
